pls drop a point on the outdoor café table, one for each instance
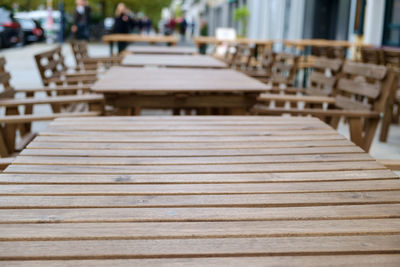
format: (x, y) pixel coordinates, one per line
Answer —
(138, 38)
(197, 191)
(162, 50)
(176, 61)
(128, 88)
(202, 40)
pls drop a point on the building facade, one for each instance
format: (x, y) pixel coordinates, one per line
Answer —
(375, 22)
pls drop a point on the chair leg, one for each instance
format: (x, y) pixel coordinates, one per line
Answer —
(3, 146)
(10, 130)
(369, 134)
(355, 127)
(387, 119)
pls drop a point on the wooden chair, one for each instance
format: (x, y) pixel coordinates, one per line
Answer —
(85, 62)
(372, 55)
(242, 57)
(361, 95)
(391, 58)
(53, 70)
(14, 121)
(262, 70)
(329, 51)
(283, 70)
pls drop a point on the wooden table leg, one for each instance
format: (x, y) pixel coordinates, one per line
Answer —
(3, 146)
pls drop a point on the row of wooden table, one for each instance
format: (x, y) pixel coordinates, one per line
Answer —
(172, 78)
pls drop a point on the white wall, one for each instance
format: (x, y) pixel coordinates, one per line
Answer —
(267, 19)
(374, 20)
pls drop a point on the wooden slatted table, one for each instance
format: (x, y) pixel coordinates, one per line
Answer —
(197, 191)
(130, 89)
(175, 61)
(162, 50)
(138, 38)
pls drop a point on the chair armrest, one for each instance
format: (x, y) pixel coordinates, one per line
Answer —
(50, 89)
(295, 98)
(393, 164)
(264, 110)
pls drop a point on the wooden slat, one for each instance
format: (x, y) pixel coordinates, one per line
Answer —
(188, 146)
(278, 261)
(29, 118)
(120, 231)
(272, 188)
(368, 70)
(362, 89)
(196, 178)
(347, 103)
(75, 215)
(227, 201)
(101, 161)
(51, 100)
(280, 246)
(226, 168)
(187, 139)
(188, 153)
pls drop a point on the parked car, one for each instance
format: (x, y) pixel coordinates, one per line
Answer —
(10, 30)
(50, 27)
(32, 31)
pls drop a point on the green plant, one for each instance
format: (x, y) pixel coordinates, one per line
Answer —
(242, 15)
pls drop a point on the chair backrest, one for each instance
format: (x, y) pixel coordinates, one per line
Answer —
(329, 51)
(242, 57)
(50, 64)
(391, 57)
(267, 59)
(364, 86)
(284, 69)
(5, 77)
(80, 51)
(230, 54)
(372, 55)
(324, 76)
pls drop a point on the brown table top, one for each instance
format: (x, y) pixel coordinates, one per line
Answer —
(160, 50)
(177, 61)
(139, 38)
(197, 191)
(139, 80)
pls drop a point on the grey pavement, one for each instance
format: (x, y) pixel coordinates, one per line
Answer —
(20, 62)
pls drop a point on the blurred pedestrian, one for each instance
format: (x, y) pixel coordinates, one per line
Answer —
(81, 20)
(182, 28)
(147, 23)
(123, 23)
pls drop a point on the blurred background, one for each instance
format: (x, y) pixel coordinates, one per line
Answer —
(376, 22)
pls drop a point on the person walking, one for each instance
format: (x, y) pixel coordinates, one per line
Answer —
(123, 23)
(81, 20)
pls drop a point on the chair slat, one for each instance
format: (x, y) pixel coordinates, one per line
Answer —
(359, 88)
(365, 69)
(347, 103)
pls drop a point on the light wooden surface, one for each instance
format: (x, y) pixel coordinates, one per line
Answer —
(156, 80)
(177, 61)
(197, 191)
(161, 50)
(133, 38)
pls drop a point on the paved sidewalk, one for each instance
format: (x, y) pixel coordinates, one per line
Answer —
(20, 62)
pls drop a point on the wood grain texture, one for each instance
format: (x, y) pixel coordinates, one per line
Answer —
(197, 191)
(118, 79)
(176, 61)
